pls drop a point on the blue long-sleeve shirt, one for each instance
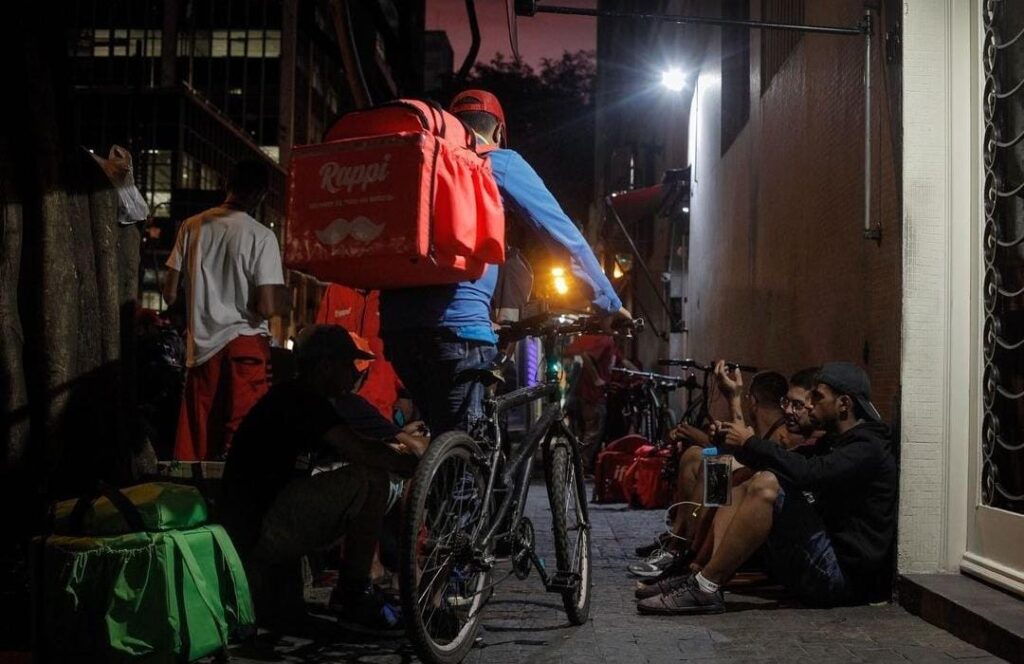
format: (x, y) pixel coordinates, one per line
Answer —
(465, 308)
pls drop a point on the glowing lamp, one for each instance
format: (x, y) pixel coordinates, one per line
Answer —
(673, 79)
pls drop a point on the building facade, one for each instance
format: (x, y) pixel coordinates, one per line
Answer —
(884, 228)
(191, 86)
(962, 360)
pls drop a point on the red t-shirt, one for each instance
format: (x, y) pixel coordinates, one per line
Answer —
(603, 351)
(360, 313)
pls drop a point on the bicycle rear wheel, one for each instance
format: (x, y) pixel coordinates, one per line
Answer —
(443, 586)
(570, 525)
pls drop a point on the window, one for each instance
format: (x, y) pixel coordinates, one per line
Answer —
(197, 175)
(777, 45)
(735, 72)
(155, 182)
(104, 43)
(230, 44)
(1002, 439)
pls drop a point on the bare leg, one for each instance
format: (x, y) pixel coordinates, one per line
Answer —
(751, 522)
(726, 513)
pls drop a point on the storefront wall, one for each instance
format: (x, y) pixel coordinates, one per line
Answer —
(948, 522)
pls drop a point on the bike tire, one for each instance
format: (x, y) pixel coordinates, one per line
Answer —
(448, 456)
(566, 494)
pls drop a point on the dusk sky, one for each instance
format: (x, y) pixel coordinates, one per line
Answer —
(542, 36)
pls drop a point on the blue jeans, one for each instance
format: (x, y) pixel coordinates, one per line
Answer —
(799, 553)
(443, 375)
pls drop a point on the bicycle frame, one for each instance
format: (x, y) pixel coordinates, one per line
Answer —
(517, 468)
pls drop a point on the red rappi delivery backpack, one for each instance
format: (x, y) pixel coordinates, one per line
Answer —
(644, 483)
(397, 196)
(611, 466)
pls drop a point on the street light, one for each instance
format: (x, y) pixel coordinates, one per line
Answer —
(673, 79)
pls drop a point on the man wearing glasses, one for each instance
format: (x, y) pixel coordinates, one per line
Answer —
(759, 405)
(796, 407)
(830, 552)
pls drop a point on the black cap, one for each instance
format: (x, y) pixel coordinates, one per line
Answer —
(332, 341)
(848, 378)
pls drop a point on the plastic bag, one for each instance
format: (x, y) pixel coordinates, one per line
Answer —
(131, 206)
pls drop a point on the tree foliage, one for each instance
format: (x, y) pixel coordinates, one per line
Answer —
(550, 117)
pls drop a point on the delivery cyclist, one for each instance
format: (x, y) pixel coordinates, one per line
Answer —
(439, 337)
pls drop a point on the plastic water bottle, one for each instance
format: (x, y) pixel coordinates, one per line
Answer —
(717, 477)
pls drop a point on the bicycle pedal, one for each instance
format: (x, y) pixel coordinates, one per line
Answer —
(561, 582)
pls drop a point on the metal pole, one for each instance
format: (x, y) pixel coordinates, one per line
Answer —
(700, 20)
(639, 259)
(870, 232)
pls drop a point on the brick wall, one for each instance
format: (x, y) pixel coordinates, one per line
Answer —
(779, 273)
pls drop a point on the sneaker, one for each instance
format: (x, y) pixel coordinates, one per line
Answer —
(678, 567)
(647, 549)
(663, 586)
(654, 565)
(687, 599)
(368, 612)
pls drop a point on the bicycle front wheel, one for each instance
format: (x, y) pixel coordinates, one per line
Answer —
(444, 588)
(570, 526)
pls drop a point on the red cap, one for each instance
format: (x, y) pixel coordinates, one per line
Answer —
(478, 100)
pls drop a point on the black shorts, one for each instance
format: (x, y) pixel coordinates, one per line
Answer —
(799, 553)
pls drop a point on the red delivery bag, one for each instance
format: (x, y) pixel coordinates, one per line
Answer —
(611, 466)
(396, 197)
(644, 483)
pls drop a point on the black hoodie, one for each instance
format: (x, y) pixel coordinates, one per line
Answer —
(854, 479)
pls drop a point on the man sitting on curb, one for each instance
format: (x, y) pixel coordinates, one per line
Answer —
(761, 406)
(826, 517)
(276, 512)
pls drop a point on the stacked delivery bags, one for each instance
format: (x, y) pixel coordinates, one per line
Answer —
(137, 575)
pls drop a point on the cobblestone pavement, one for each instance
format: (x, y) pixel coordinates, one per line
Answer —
(523, 623)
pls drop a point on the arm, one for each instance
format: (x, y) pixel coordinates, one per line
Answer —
(174, 264)
(524, 189)
(391, 456)
(170, 288)
(731, 384)
(268, 275)
(843, 466)
(685, 431)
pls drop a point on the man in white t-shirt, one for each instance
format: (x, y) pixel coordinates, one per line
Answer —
(233, 283)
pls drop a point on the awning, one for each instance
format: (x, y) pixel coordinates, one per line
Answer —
(669, 198)
(638, 204)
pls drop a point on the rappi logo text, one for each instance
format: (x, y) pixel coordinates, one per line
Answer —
(335, 177)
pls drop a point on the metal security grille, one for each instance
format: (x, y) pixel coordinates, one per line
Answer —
(1003, 382)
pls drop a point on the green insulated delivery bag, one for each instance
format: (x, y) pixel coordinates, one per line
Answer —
(138, 576)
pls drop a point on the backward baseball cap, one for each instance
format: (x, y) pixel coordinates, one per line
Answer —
(849, 379)
(328, 341)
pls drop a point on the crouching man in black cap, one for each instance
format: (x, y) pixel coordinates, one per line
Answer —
(277, 511)
(824, 515)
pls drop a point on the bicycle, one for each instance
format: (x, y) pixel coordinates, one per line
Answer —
(453, 527)
(648, 405)
(698, 398)
(697, 412)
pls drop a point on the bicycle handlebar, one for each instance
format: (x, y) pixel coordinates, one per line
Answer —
(566, 325)
(647, 375)
(690, 363)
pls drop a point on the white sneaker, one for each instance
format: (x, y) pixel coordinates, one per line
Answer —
(654, 565)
